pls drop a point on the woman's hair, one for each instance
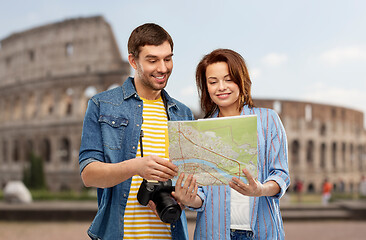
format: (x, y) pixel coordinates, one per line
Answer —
(238, 73)
(147, 34)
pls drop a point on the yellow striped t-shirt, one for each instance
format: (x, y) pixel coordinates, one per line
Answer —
(139, 221)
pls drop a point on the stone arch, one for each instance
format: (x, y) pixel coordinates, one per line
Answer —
(344, 149)
(28, 149)
(7, 113)
(323, 129)
(1, 151)
(5, 151)
(359, 156)
(66, 104)
(16, 151)
(2, 110)
(334, 155)
(310, 152)
(351, 155)
(65, 150)
(46, 150)
(364, 157)
(295, 152)
(17, 109)
(30, 109)
(69, 49)
(323, 155)
(47, 104)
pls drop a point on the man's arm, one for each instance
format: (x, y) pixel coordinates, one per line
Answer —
(105, 175)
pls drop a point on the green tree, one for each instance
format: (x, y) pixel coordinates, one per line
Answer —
(33, 176)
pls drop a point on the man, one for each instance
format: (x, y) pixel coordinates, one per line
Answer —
(110, 157)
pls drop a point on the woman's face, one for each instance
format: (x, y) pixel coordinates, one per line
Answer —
(222, 89)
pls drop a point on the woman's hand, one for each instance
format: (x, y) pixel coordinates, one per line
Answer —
(187, 194)
(253, 188)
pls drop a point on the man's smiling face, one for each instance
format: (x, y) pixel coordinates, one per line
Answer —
(153, 67)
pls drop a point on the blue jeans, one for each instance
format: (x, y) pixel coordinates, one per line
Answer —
(241, 234)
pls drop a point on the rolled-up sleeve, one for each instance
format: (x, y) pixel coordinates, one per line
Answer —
(202, 195)
(91, 148)
(278, 155)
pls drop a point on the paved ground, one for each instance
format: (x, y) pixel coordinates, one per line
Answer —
(302, 222)
(330, 230)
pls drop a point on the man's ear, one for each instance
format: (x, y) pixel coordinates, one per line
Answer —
(132, 61)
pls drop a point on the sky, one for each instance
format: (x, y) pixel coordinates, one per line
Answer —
(295, 50)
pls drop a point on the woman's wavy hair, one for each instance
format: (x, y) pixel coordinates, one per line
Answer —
(238, 72)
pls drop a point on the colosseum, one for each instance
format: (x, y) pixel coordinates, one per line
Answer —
(48, 73)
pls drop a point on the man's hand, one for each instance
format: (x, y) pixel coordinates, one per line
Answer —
(253, 188)
(152, 206)
(155, 168)
(187, 194)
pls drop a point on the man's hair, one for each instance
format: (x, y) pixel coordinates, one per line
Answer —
(238, 72)
(147, 34)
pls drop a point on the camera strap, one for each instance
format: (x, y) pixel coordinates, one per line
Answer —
(141, 136)
(168, 118)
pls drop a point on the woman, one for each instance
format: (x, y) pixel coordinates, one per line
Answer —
(240, 210)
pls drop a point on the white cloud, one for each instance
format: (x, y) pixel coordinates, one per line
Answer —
(255, 73)
(274, 59)
(340, 55)
(351, 98)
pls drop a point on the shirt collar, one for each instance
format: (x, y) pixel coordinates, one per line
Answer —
(129, 90)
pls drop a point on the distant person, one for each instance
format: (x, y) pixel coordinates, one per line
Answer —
(326, 192)
(240, 210)
(341, 186)
(110, 155)
(363, 186)
(299, 188)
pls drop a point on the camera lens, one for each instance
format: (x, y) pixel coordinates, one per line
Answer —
(168, 209)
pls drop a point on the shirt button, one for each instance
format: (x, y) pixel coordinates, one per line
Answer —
(139, 105)
(113, 122)
(133, 147)
(173, 225)
(124, 194)
(137, 125)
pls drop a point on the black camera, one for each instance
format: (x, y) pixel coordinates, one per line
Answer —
(160, 193)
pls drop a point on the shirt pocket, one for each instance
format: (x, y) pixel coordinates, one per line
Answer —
(113, 129)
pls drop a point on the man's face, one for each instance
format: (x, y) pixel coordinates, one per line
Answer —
(153, 67)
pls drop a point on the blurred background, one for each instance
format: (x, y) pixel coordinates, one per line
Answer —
(306, 61)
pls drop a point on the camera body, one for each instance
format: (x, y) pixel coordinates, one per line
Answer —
(160, 193)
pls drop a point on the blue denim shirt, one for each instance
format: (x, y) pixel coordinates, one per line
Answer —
(111, 131)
